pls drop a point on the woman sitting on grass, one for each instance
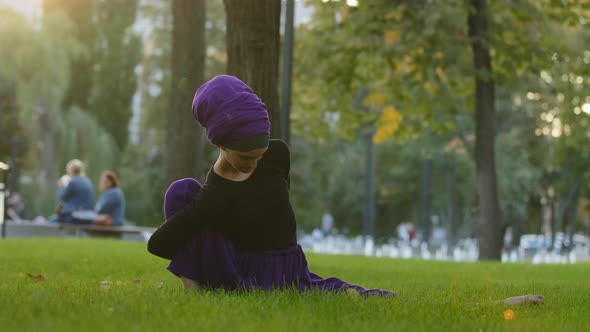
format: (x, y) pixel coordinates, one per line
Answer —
(238, 231)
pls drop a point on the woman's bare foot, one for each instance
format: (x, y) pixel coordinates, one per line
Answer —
(189, 284)
(524, 299)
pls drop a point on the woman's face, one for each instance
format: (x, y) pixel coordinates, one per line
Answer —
(243, 162)
(104, 183)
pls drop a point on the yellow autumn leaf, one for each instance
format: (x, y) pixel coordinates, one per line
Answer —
(375, 99)
(397, 13)
(428, 86)
(391, 37)
(441, 74)
(406, 65)
(388, 124)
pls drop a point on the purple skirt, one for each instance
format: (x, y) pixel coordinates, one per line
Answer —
(211, 260)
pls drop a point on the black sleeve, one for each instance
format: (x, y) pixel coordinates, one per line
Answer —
(179, 229)
(278, 157)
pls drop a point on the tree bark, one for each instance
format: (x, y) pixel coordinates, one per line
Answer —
(426, 198)
(452, 225)
(564, 209)
(573, 217)
(489, 222)
(48, 154)
(183, 136)
(253, 41)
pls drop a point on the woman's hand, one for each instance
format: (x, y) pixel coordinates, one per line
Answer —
(103, 219)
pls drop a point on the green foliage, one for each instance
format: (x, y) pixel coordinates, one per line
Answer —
(117, 49)
(9, 119)
(37, 59)
(357, 62)
(327, 177)
(39, 64)
(103, 80)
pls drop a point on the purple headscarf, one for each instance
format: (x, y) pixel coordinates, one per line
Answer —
(230, 111)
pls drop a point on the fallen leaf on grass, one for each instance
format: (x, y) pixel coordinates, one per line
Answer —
(119, 283)
(159, 285)
(136, 281)
(39, 277)
(63, 290)
(105, 285)
(508, 314)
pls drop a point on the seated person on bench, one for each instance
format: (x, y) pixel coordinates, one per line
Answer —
(75, 193)
(110, 208)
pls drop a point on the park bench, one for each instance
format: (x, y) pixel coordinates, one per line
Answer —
(116, 232)
(29, 229)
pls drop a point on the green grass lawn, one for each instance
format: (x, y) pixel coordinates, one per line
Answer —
(114, 285)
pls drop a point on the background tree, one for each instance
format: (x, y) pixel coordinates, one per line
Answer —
(417, 59)
(253, 47)
(117, 50)
(489, 221)
(82, 14)
(103, 79)
(184, 138)
(38, 65)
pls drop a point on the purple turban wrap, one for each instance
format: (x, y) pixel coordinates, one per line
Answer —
(179, 194)
(233, 116)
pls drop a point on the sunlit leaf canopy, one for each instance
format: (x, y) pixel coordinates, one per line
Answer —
(418, 56)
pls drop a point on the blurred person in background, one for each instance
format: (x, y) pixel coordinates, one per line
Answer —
(75, 193)
(327, 224)
(15, 209)
(110, 208)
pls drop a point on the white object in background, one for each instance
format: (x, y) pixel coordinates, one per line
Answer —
(369, 247)
(2, 201)
(65, 180)
(84, 214)
(424, 251)
(513, 256)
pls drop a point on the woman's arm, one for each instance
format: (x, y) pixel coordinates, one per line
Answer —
(181, 227)
(65, 192)
(103, 219)
(278, 157)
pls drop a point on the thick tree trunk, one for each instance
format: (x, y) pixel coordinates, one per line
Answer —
(573, 217)
(253, 42)
(489, 222)
(564, 209)
(184, 136)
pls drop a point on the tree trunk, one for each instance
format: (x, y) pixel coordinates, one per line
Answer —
(184, 137)
(370, 191)
(489, 226)
(564, 209)
(573, 218)
(253, 41)
(452, 226)
(48, 154)
(426, 198)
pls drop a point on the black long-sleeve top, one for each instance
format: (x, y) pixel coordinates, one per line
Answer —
(256, 214)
